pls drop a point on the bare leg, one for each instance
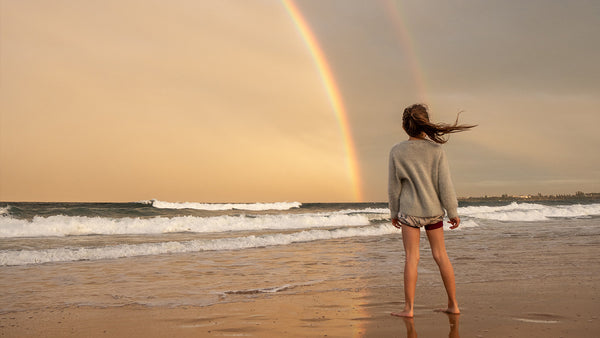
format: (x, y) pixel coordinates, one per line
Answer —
(410, 239)
(438, 249)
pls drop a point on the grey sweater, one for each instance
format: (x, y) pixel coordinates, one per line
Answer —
(419, 180)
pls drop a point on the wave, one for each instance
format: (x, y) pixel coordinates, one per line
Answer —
(468, 223)
(147, 202)
(513, 212)
(530, 211)
(223, 206)
(384, 211)
(24, 257)
(273, 289)
(5, 211)
(257, 291)
(82, 225)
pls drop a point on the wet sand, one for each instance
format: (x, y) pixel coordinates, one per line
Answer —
(553, 307)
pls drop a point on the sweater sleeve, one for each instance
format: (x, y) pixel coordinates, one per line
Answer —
(446, 188)
(394, 188)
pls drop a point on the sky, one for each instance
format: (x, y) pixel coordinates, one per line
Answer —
(227, 101)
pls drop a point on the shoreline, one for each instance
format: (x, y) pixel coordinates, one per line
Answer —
(509, 308)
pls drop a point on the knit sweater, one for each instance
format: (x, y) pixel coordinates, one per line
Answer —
(419, 180)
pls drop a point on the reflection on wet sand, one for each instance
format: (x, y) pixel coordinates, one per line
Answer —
(410, 327)
(453, 320)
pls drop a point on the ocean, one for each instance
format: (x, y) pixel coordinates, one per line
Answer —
(156, 253)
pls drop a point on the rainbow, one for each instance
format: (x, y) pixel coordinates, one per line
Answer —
(393, 10)
(333, 93)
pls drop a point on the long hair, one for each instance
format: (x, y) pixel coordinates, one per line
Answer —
(415, 121)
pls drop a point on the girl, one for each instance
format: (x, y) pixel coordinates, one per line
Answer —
(420, 189)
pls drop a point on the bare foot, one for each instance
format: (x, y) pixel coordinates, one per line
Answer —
(450, 311)
(407, 314)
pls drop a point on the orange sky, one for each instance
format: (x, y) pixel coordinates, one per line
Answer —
(221, 101)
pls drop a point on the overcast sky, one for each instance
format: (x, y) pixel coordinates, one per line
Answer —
(221, 101)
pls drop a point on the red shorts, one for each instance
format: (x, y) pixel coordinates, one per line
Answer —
(434, 225)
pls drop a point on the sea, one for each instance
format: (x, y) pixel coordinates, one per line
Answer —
(159, 253)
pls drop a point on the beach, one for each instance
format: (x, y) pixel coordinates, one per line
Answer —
(502, 309)
(518, 275)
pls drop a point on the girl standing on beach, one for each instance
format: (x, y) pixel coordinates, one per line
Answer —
(420, 189)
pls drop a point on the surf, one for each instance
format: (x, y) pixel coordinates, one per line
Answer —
(66, 254)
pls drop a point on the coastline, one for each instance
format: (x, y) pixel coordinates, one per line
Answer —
(490, 309)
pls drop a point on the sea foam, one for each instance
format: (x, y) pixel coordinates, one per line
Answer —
(530, 211)
(224, 206)
(468, 223)
(81, 225)
(23, 257)
(5, 211)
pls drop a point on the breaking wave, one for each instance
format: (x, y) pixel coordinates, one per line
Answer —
(23, 257)
(223, 206)
(5, 211)
(81, 225)
(530, 211)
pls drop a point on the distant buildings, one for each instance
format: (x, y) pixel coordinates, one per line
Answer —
(579, 195)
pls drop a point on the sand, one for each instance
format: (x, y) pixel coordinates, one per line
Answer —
(553, 307)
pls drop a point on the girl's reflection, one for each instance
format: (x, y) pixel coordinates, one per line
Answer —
(411, 332)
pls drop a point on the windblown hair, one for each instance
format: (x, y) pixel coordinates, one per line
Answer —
(415, 121)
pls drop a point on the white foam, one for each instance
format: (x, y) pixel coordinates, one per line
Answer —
(225, 206)
(4, 211)
(384, 211)
(80, 225)
(147, 202)
(273, 289)
(530, 211)
(464, 223)
(373, 214)
(23, 257)
(538, 321)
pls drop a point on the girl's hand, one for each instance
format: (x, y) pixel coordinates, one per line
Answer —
(396, 223)
(455, 222)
